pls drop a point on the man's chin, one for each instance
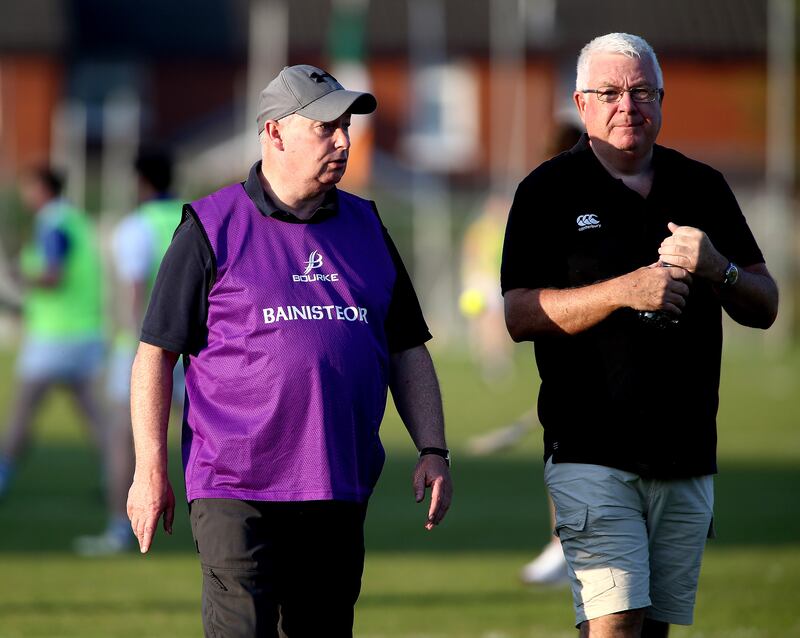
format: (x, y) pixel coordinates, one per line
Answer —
(631, 138)
(331, 177)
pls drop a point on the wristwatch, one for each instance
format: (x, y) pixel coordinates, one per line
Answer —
(438, 451)
(731, 275)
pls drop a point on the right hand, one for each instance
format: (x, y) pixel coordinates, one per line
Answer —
(149, 498)
(657, 287)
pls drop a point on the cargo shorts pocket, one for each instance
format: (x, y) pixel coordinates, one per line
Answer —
(588, 581)
(592, 583)
(571, 522)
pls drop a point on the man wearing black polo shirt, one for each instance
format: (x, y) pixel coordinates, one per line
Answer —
(294, 315)
(618, 260)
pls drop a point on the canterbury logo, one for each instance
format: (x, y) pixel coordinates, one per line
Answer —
(586, 222)
(314, 261)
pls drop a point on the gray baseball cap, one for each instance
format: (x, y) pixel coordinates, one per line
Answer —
(312, 93)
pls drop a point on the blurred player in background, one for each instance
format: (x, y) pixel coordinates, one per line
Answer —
(482, 256)
(480, 301)
(62, 314)
(138, 245)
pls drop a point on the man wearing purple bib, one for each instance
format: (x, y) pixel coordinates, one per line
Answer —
(294, 315)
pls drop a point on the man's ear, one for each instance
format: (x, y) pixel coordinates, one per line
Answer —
(272, 135)
(580, 103)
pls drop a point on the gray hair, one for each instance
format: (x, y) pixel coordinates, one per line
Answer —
(626, 44)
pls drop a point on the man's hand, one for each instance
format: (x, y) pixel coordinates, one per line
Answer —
(149, 498)
(691, 249)
(415, 390)
(657, 288)
(432, 471)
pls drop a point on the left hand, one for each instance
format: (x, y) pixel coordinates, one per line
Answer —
(432, 471)
(691, 249)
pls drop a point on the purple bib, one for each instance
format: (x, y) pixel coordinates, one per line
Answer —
(285, 401)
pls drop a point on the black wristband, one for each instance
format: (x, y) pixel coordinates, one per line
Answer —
(444, 453)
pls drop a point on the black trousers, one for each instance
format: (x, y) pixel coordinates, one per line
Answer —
(266, 565)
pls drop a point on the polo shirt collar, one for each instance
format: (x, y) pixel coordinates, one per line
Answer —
(252, 186)
(583, 149)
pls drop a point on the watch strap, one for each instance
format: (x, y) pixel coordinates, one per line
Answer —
(437, 451)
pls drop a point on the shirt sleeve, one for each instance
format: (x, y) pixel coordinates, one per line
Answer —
(55, 246)
(405, 325)
(132, 249)
(176, 316)
(531, 257)
(730, 233)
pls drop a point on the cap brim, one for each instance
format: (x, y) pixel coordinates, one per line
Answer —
(333, 105)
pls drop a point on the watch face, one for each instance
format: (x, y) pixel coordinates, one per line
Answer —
(731, 274)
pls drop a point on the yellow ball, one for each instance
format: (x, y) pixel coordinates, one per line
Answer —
(471, 302)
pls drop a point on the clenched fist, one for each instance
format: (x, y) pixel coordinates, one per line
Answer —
(657, 288)
(691, 249)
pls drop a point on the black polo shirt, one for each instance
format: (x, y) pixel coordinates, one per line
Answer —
(176, 316)
(625, 394)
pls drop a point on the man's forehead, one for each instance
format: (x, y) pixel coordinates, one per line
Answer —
(619, 67)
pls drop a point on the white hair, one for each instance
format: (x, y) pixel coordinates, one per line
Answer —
(626, 44)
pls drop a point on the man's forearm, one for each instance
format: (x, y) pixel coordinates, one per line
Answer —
(568, 311)
(151, 396)
(753, 300)
(416, 394)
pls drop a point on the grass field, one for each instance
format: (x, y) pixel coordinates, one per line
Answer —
(458, 581)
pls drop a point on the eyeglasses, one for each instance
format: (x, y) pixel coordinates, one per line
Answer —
(612, 94)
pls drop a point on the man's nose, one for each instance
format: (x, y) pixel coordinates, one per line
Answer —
(626, 103)
(342, 138)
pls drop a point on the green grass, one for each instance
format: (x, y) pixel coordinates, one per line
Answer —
(458, 581)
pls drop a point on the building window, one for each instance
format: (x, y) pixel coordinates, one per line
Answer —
(444, 128)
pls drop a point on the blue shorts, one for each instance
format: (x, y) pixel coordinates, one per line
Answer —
(60, 359)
